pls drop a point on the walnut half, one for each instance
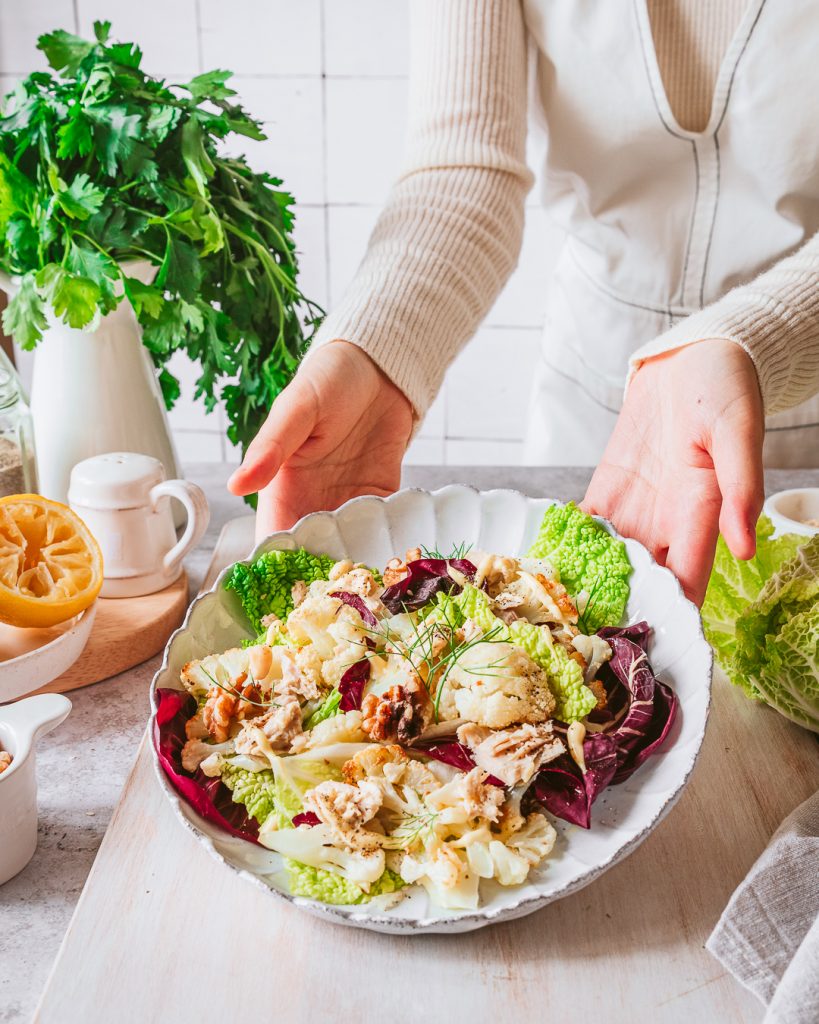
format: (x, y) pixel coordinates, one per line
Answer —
(396, 715)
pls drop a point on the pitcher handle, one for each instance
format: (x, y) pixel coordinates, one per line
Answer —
(196, 506)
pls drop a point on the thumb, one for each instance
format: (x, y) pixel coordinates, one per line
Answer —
(736, 452)
(289, 424)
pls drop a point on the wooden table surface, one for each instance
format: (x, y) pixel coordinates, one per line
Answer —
(163, 932)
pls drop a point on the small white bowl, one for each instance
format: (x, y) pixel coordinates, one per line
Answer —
(31, 658)
(21, 725)
(789, 510)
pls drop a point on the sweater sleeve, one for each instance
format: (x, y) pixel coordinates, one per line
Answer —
(775, 318)
(450, 234)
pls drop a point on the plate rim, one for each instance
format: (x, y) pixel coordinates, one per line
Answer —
(447, 922)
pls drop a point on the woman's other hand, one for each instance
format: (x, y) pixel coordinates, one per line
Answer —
(339, 429)
(684, 462)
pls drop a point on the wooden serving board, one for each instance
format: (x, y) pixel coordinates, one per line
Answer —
(164, 932)
(126, 632)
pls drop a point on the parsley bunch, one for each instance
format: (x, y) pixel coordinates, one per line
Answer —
(102, 165)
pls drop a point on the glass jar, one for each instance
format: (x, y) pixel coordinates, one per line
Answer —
(18, 466)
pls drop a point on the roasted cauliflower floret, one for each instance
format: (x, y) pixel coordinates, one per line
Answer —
(512, 755)
(466, 797)
(390, 763)
(345, 809)
(534, 840)
(196, 751)
(595, 652)
(198, 677)
(496, 684)
(537, 598)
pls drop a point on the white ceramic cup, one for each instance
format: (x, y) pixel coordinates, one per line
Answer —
(125, 501)
(21, 725)
(790, 510)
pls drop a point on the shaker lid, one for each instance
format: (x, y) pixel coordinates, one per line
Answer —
(115, 480)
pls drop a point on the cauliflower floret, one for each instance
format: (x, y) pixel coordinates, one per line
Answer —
(344, 728)
(198, 676)
(390, 763)
(536, 597)
(445, 873)
(465, 798)
(311, 621)
(595, 652)
(512, 755)
(196, 751)
(355, 579)
(345, 809)
(314, 846)
(494, 860)
(534, 840)
(496, 684)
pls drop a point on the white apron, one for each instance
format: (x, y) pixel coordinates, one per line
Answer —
(661, 221)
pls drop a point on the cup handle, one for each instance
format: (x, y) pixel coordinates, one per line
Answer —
(34, 717)
(196, 506)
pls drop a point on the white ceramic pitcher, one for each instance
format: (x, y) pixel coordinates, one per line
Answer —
(94, 392)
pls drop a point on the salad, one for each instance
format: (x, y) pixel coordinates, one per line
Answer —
(420, 723)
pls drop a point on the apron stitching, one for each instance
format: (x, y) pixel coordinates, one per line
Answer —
(716, 148)
(668, 310)
(693, 218)
(740, 55)
(714, 209)
(653, 89)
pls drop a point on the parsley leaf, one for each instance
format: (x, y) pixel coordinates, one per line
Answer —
(103, 165)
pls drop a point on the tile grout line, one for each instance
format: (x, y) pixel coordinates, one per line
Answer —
(324, 181)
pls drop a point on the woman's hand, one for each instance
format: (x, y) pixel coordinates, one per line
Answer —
(684, 462)
(339, 429)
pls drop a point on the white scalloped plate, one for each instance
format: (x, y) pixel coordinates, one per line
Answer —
(372, 530)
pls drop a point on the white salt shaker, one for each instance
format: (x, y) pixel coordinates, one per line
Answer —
(125, 501)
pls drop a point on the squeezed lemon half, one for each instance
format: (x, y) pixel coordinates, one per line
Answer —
(50, 564)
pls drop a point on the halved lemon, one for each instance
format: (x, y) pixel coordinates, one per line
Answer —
(50, 564)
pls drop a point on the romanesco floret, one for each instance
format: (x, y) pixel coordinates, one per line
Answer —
(264, 586)
(590, 562)
(329, 887)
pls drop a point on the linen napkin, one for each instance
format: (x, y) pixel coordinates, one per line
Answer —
(768, 935)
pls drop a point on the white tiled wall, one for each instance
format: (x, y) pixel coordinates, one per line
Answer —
(329, 80)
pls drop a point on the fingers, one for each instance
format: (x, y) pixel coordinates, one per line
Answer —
(737, 455)
(289, 424)
(691, 552)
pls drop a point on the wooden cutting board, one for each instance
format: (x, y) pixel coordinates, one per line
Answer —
(163, 932)
(126, 632)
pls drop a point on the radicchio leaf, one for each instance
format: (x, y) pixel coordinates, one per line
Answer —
(209, 797)
(639, 715)
(425, 578)
(352, 683)
(306, 818)
(563, 789)
(457, 755)
(354, 601)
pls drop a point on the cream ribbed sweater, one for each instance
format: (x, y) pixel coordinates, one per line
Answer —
(450, 234)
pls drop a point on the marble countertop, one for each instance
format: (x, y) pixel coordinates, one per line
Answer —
(82, 766)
